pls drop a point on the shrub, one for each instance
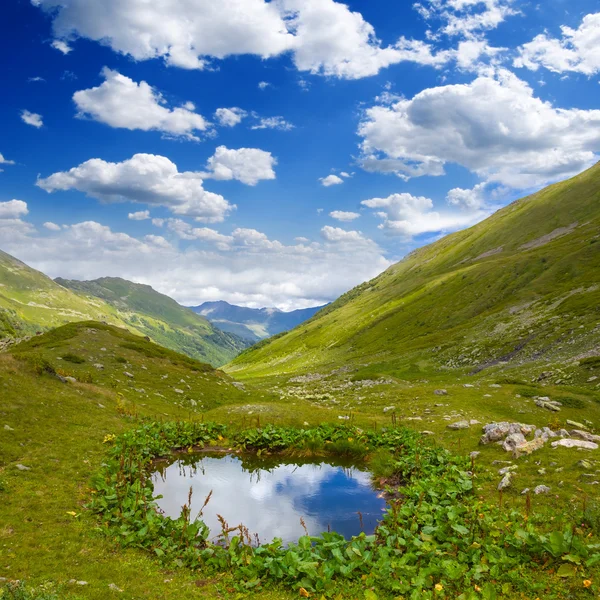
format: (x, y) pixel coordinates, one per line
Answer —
(73, 358)
(571, 402)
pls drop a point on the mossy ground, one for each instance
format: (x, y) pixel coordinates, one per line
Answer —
(57, 429)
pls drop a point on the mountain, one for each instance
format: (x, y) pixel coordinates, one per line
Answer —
(161, 318)
(253, 324)
(31, 301)
(520, 290)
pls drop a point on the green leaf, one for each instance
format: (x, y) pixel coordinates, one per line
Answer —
(566, 570)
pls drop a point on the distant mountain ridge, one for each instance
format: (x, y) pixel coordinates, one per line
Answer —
(253, 324)
(31, 302)
(162, 318)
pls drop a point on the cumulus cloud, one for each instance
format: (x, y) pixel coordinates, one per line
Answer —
(322, 36)
(61, 46)
(5, 161)
(32, 118)
(467, 199)
(13, 209)
(12, 226)
(273, 123)
(52, 226)
(140, 215)
(331, 180)
(494, 126)
(121, 102)
(230, 117)
(248, 165)
(145, 178)
(263, 85)
(578, 50)
(342, 215)
(466, 17)
(408, 216)
(337, 235)
(244, 267)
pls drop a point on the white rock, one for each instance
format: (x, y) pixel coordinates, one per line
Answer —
(567, 443)
(541, 489)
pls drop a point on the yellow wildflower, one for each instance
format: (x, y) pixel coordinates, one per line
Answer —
(110, 437)
(303, 593)
(72, 513)
(587, 583)
(438, 587)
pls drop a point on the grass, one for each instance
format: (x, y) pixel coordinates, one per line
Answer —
(57, 430)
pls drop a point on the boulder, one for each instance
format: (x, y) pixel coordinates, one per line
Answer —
(541, 489)
(459, 425)
(528, 447)
(575, 424)
(389, 408)
(566, 443)
(506, 481)
(513, 440)
(440, 392)
(545, 402)
(584, 435)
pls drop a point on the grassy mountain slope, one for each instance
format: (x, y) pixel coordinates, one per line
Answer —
(520, 289)
(30, 301)
(56, 430)
(161, 318)
(253, 324)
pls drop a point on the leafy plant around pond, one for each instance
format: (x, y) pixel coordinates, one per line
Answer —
(438, 539)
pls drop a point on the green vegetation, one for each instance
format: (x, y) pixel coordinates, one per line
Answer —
(438, 538)
(516, 295)
(31, 302)
(402, 372)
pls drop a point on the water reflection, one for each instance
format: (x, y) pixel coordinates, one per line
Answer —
(269, 499)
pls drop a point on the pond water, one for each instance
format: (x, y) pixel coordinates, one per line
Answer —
(270, 498)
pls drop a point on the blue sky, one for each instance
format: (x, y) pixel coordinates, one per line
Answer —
(279, 153)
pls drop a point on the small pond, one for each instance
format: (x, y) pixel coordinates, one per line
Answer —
(270, 498)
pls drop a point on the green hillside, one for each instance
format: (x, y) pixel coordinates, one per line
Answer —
(160, 317)
(520, 291)
(31, 302)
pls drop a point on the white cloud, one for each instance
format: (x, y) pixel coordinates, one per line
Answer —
(337, 235)
(263, 85)
(331, 180)
(466, 18)
(273, 123)
(494, 126)
(13, 209)
(140, 215)
(52, 226)
(230, 117)
(472, 199)
(322, 36)
(302, 240)
(121, 102)
(61, 46)
(32, 119)
(578, 50)
(245, 267)
(36, 80)
(145, 178)
(248, 165)
(5, 161)
(408, 216)
(342, 215)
